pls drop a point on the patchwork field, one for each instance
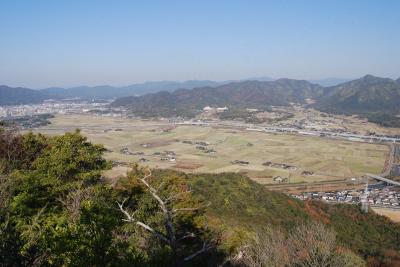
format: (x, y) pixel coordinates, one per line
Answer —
(206, 149)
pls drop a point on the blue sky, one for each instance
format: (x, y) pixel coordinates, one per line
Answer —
(69, 43)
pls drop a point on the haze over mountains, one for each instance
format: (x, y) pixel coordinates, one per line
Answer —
(107, 92)
(21, 95)
(14, 96)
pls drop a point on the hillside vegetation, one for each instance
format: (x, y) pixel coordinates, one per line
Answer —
(57, 210)
(367, 94)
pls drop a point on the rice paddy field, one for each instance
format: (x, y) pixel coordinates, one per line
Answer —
(214, 150)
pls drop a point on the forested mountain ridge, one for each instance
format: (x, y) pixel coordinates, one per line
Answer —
(57, 210)
(246, 94)
(367, 94)
(372, 97)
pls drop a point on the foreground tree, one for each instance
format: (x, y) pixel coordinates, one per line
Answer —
(176, 212)
(55, 209)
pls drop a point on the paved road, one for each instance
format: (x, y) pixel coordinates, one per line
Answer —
(390, 161)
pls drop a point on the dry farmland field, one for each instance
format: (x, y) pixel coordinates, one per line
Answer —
(211, 149)
(393, 214)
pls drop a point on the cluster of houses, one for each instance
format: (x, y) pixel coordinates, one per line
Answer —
(126, 151)
(164, 156)
(200, 143)
(70, 106)
(205, 149)
(116, 163)
(387, 196)
(280, 165)
(280, 179)
(338, 196)
(167, 155)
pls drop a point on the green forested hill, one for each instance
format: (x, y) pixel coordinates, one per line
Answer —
(19, 95)
(367, 94)
(377, 99)
(246, 94)
(372, 97)
(239, 202)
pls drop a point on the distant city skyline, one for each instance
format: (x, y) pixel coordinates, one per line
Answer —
(73, 43)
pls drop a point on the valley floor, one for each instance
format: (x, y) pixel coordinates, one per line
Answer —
(268, 158)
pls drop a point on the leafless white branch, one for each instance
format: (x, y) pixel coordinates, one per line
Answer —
(202, 250)
(141, 224)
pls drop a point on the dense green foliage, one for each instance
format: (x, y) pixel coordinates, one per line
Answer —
(56, 209)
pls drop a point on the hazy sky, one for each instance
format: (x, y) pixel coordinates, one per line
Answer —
(68, 43)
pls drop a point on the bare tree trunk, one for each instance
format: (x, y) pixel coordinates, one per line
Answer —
(169, 238)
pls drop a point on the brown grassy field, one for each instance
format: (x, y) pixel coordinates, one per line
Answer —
(394, 215)
(328, 159)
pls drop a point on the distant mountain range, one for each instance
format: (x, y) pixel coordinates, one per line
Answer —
(365, 96)
(19, 95)
(26, 95)
(368, 96)
(109, 92)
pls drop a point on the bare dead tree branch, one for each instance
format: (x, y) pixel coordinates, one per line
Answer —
(168, 213)
(141, 224)
(189, 235)
(202, 250)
